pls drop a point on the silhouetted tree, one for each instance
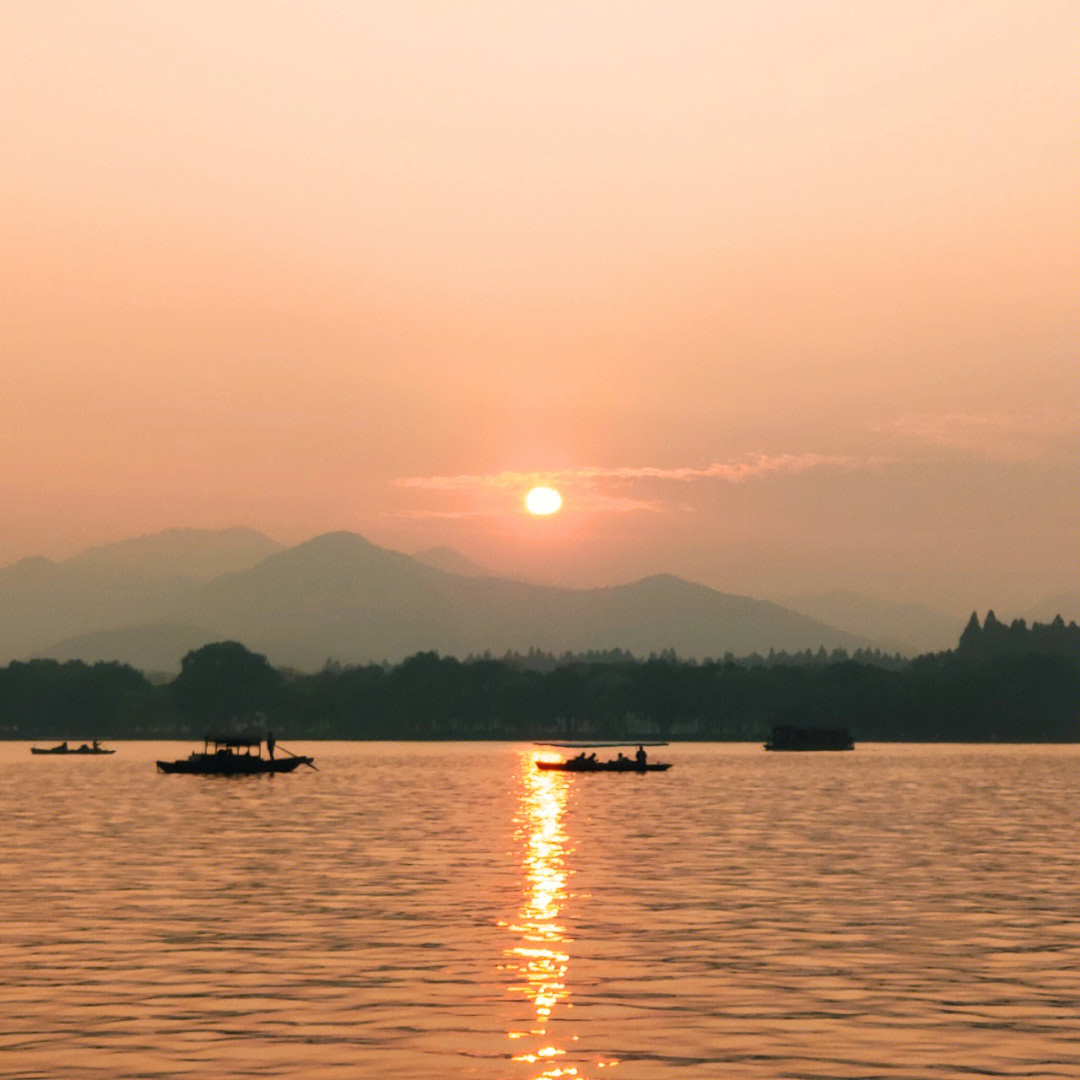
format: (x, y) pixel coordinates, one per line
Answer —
(225, 682)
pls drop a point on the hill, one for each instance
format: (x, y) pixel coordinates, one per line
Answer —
(453, 562)
(1067, 605)
(200, 554)
(909, 629)
(151, 647)
(340, 597)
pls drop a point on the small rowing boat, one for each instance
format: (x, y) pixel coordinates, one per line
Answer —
(63, 748)
(589, 763)
(629, 765)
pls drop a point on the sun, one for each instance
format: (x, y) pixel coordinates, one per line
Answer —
(543, 500)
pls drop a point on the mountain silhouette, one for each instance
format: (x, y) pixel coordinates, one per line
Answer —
(193, 553)
(453, 562)
(1067, 605)
(909, 629)
(154, 648)
(44, 602)
(340, 597)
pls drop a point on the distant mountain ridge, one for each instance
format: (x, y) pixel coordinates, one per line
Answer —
(1067, 605)
(196, 553)
(453, 562)
(909, 629)
(340, 597)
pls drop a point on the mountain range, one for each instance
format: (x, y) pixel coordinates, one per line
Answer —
(908, 629)
(149, 600)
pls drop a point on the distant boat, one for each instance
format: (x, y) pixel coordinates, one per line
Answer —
(63, 748)
(589, 764)
(786, 737)
(629, 765)
(233, 757)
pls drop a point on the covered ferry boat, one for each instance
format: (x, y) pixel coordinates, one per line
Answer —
(234, 757)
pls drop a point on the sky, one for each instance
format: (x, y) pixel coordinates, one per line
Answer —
(781, 297)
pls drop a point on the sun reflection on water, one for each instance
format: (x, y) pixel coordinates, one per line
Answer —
(539, 957)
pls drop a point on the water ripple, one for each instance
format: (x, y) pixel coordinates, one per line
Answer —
(447, 910)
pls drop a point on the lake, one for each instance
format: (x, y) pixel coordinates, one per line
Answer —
(450, 911)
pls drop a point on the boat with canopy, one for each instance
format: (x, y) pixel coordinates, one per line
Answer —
(232, 756)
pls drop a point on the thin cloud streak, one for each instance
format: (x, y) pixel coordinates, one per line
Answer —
(1003, 436)
(593, 503)
(732, 472)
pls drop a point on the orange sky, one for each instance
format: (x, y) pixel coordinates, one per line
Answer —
(781, 296)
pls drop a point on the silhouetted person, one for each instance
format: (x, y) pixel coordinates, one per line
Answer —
(270, 744)
(641, 757)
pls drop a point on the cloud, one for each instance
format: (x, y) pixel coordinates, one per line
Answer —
(451, 515)
(589, 501)
(999, 436)
(590, 476)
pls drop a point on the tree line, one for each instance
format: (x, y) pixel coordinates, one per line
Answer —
(1001, 683)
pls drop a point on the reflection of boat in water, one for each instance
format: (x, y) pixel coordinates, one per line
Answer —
(63, 748)
(785, 737)
(583, 763)
(233, 757)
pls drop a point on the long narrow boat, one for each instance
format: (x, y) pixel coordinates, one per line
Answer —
(583, 763)
(630, 765)
(233, 757)
(788, 737)
(78, 751)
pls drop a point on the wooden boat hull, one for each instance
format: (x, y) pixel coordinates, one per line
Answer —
(602, 766)
(69, 753)
(231, 765)
(796, 738)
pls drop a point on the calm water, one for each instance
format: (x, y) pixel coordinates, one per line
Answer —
(449, 911)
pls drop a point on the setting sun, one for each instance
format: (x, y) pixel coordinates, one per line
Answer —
(543, 500)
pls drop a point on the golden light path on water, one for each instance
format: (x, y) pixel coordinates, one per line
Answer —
(539, 957)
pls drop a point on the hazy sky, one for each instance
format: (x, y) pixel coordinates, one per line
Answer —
(780, 296)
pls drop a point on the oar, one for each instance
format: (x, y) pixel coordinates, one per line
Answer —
(301, 756)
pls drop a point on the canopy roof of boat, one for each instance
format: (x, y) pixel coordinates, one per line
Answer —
(564, 745)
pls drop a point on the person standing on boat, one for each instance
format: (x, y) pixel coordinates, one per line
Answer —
(270, 744)
(641, 757)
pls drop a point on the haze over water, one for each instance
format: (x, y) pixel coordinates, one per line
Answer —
(415, 910)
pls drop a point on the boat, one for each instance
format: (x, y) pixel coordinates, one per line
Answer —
(587, 765)
(786, 737)
(63, 748)
(233, 757)
(583, 763)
